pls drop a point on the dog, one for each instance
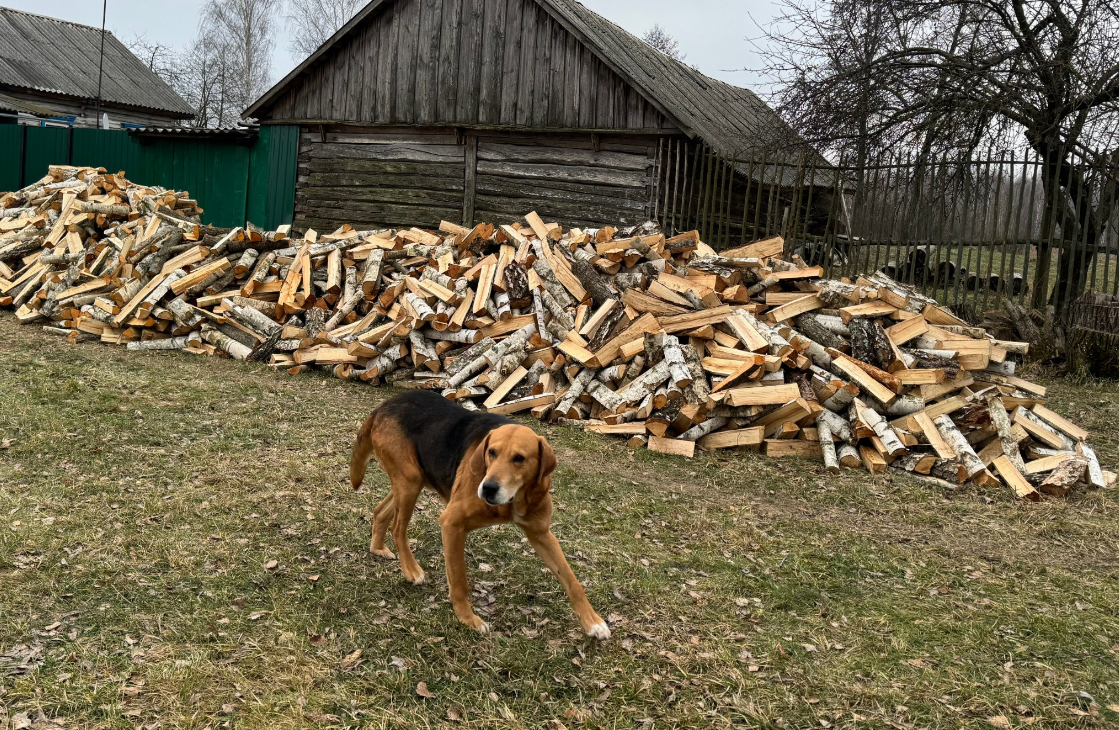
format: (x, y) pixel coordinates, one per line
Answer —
(486, 468)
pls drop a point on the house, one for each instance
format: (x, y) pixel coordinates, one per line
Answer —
(418, 111)
(49, 77)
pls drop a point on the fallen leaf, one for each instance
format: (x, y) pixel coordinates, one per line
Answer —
(485, 567)
(20, 721)
(272, 565)
(351, 659)
(314, 578)
(1113, 708)
(322, 719)
(317, 640)
(999, 721)
(6, 444)
(453, 714)
(423, 691)
(809, 647)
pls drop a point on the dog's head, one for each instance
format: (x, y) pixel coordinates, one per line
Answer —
(511, 459)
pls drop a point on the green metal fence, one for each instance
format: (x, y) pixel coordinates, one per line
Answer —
(233, 183)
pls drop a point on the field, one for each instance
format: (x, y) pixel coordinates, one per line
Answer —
(179, 548)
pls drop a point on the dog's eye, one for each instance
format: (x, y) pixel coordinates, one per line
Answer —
(492, 453)
(518, 459)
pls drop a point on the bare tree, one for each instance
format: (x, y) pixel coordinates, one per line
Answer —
(312, 22)
(161, 59)
(207, 83)
(961, 75)
(240, 33)
(659, 38)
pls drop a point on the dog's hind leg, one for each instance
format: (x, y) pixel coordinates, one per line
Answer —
(405, 492)
(382, 518)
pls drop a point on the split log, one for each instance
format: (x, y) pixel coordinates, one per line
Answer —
(966, 455)
(225, 343)
(827, 446)
(1061, 479)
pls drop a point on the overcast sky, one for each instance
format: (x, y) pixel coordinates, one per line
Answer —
(713, 33)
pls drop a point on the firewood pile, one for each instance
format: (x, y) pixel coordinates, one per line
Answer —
(657, 339)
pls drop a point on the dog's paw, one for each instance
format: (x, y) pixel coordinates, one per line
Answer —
(599, 631)
(477, 624)
(383, 553)
(419, 580)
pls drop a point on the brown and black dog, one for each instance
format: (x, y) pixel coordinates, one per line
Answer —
(487, 469)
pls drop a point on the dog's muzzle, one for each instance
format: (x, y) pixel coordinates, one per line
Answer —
(491, 492)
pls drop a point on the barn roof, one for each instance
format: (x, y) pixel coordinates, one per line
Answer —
(732, 120)
(60, 58)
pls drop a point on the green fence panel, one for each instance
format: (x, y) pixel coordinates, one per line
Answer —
(44, 146)
(112, 149)
(11, 153)
(272, 169)
(232, 182)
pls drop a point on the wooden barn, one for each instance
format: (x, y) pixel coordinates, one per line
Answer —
(418, 111)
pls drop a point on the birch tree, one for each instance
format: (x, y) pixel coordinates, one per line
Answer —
(311, 22)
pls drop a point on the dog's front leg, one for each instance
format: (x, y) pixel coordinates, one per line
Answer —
(454, 555)
(549, 550)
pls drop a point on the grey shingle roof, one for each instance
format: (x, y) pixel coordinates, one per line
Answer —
(52, 56)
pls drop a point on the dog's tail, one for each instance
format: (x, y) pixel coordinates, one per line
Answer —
(363, 452)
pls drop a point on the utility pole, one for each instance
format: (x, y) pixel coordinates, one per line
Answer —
(101, 60)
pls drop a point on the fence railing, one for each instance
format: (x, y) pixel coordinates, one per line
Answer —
(971, 232)
(232, 182)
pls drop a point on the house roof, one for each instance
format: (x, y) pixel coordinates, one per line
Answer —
(732, 120)
(11, 103)
(57, 57)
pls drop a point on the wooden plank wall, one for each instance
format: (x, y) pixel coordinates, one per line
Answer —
(376, 178)
(564, 179)
(494, 63)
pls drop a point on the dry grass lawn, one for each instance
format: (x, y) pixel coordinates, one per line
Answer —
(179, 549)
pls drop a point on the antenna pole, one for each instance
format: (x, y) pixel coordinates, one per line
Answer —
(101, 60)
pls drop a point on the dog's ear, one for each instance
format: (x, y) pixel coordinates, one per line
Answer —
(547, 461)
(478, 458)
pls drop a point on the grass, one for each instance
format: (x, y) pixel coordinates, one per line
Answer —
(143, 498)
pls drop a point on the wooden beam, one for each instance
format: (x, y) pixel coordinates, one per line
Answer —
(469, 193)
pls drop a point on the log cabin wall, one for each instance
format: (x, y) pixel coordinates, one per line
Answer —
(377, 177)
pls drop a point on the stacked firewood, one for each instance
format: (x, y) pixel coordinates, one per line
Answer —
(657, 339)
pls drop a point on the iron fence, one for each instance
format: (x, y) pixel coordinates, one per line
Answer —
(971, 232)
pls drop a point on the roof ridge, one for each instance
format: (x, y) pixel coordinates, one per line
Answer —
(53, 19)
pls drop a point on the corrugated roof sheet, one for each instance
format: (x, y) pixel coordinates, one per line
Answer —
(10, 103)
(241, 134)
(57, 57)
(732, 120)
